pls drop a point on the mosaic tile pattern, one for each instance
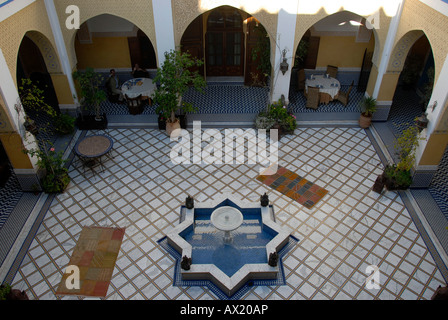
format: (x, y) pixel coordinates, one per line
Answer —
(348, 230)
(439, 184)
(10, 194)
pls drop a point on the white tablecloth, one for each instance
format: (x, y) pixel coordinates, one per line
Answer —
(326, 85)
(138, 86)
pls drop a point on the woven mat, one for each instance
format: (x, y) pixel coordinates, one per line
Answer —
(95, 255)
(294, 186)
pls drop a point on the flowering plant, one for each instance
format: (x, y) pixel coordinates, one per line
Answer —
(56, 176)
(276, 116)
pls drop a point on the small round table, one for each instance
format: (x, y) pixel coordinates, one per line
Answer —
(92, 148)
(226, 219)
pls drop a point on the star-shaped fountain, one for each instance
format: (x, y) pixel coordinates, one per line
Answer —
(228, 243)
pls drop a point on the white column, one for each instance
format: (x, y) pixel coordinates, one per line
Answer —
(163, 21)
(60, 45)
(388, 47)
(14, 109)
(286, 26)
(10, 96)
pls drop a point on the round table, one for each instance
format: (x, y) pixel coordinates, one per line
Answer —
(328, 87)
(226, 219)
(94, 146)
(91, 149)
(138, 86)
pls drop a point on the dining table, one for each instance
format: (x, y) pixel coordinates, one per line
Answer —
(328, 87)
(139, 86)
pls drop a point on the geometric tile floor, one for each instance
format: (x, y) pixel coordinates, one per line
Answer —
(348, 230)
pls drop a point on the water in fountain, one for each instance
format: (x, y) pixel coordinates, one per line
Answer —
(248, 245)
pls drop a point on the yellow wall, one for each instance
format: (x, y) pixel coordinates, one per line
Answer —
(388, 86)
(105, 52)
(12, 142)
(434, 149)
(342, 51)
(62, 88)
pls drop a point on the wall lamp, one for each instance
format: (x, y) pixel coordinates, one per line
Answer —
(284, 65)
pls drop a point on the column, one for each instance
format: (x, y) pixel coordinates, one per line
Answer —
(12, 133)
(163, 21)
(383, 107)
(286, 27)
(60, 46)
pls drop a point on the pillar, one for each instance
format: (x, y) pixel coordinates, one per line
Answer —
(286, 24)
(13, 136)
(163, 21)
(384, 80)
(63, 84)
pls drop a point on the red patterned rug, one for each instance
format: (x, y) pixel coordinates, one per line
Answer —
(94, 256)
(294, 186)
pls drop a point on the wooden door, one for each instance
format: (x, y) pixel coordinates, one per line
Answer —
(224, 43)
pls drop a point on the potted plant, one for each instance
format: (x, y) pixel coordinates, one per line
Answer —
(8, 293)
(261, 54)
(173, 80)
(398, 176)
(92, 96)
(277, 117)
(368, 106)
(56, 177)
(64, 123)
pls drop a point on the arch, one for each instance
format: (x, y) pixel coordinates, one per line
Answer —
(401, 50)
(216, 28)
(137, 30)
(341, 18)
(46, 49)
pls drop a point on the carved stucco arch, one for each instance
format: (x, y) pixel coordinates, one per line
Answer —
(401, 50)
(47, 50)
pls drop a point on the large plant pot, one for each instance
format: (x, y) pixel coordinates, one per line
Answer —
(171, 126)
(364, 121)
(88, 122)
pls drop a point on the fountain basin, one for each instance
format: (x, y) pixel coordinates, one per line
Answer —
(228, 281)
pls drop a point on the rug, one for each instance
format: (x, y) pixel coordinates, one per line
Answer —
(94, 256)
(294, 186)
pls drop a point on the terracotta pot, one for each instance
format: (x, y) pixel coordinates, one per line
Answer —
(364, 122)
(171, 126)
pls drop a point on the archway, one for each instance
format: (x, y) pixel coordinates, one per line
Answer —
(413, 58)
(344, 40)
(225, 38)
(35, 60)
(107, 41)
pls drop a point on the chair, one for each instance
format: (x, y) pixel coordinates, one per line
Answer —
(301, 79)
(141, 74)
(344, 96)
(332, 71)
(312, 101)
(135, 105)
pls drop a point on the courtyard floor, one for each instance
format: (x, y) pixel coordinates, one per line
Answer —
(350, 229)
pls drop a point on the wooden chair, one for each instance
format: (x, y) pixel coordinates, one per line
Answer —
(312, 101)
(135, 105)
(332, 71)
(301, 79)
(344, 96)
